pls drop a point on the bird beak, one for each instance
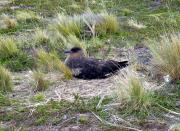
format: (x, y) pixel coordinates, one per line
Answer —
(67, 52)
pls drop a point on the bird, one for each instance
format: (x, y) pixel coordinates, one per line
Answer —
(84, 67)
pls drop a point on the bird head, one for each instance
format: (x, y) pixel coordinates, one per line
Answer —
(75, 52)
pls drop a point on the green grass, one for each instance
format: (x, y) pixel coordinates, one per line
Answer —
(8, 48)
(41, 84)
(49, 7)
(4, 100)
(41, 37)
(132, 93)
(18, 62)
(166, 53)
(51, 62)
(21, 27)
(5, 80)
(142, 104)
(68, 25)
(27, 16)
(38, 97)
(53, 111)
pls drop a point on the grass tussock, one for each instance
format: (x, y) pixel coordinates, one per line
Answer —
(68, 25)
(7, 48)
(50, 62)
(4, 100)
(87, 22)
(109, 23)
(132, 92)
(41, 36)
(46, 60)
(39, 97)
(9, 22)
(27, 16)
(41, 84)
(135, 24)
(166, 53)
(5, 80)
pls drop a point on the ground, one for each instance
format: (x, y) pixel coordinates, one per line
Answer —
(80, 105)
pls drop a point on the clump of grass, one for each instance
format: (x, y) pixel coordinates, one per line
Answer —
(41, 84)
(135, 24)
(167, 54)
(4, 101)
(39, 97)
(109, 23)
(45, 60)
(50, 62)
(68, 25)
(41, 36)
(20, 62)
(9, 22)
(64, 69)
(132, 92)
(7, 48)
(127, 12)
(100, 23)
(5, 80)
(27, 16)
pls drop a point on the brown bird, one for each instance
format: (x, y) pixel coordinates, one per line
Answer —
(90, 68)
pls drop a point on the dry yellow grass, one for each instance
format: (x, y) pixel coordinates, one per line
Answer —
(8, 47)
(131, 91)
(135, 24)
(166, 53)
(5, 80)
(108, 24)
(41, 36)
(50, 62)
(68, 25)
(41, 83)
(26, 15)
(9, 22)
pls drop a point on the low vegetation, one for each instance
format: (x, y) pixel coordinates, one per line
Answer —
(41, 37)
(133, 93)
(38, 97)
(136, 25)
(5, 80)
(8, 48)
(109, 24)
(167, 55)
(68, 25)
(4, 100)
(9, 22)
(27, 16)
(50, 62)
(41, 84)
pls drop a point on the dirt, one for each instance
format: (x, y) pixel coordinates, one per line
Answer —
(61, 89)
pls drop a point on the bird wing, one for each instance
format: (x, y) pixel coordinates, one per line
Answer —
(86, 68)
(111, 66)
(89, 68)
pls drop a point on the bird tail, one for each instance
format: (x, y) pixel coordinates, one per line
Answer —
(123, 64)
